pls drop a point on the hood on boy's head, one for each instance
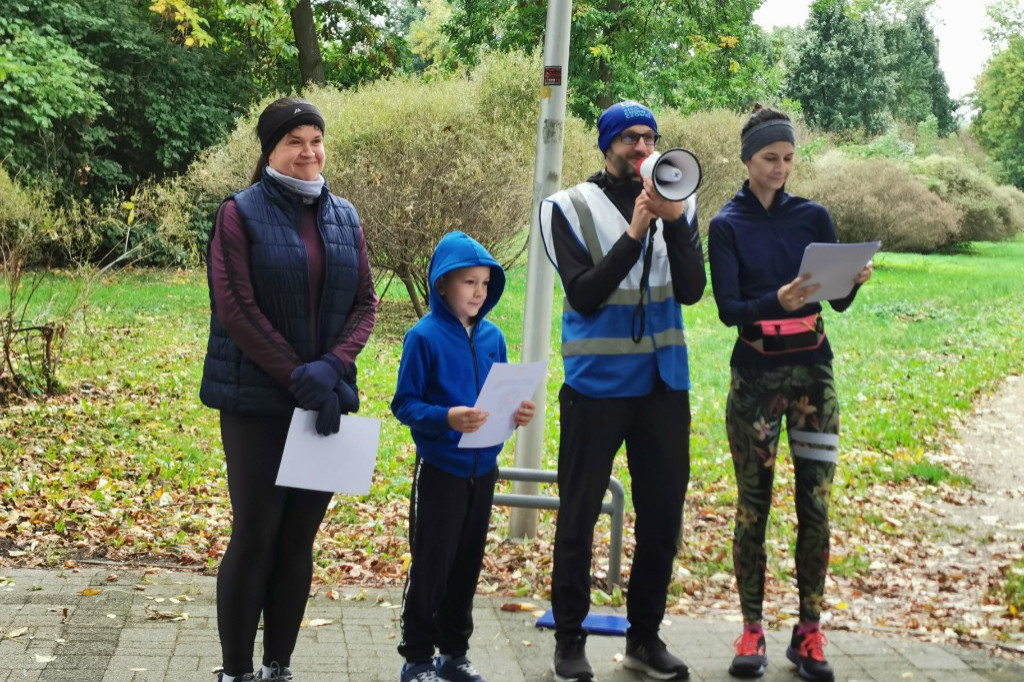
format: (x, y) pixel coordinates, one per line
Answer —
(459, 250)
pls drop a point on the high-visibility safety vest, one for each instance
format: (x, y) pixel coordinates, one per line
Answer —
(600, 357)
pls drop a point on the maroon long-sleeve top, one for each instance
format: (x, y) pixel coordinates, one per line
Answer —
(234, 300)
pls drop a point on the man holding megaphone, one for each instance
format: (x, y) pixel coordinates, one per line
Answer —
(628, 253)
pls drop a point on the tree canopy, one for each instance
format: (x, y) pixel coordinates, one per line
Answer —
(94, 97)
(999, 123)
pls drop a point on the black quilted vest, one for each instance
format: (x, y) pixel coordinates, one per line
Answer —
(280, 280)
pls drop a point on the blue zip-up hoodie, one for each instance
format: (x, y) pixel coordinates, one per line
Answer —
(443, 366)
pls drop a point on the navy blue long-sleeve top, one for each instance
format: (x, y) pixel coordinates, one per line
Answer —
(753, 251)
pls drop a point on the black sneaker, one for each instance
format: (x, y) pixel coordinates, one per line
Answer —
(570, 664)
(652, 658)
(278, 673)
(751, 657)
(458, 669)
(807, 652)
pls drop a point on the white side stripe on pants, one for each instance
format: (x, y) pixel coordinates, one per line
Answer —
(823, 447)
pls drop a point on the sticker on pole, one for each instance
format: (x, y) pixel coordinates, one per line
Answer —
(552, 75)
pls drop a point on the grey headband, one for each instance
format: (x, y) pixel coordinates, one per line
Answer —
(765, 133)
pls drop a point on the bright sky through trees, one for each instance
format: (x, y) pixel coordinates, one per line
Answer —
(957, 24)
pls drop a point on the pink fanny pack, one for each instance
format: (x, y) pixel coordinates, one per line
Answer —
(788, 335)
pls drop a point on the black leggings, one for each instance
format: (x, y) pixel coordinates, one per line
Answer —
(268, 566)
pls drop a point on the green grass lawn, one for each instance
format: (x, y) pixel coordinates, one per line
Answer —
(126, 463)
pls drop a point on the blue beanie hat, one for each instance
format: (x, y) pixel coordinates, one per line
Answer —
(620, 116)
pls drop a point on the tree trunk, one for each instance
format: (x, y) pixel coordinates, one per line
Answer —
(311, 65)
(604, 69)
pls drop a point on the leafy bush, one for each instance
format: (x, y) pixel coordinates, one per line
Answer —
(888, 146)
(987, 213)
(25, 218)
(878, 199)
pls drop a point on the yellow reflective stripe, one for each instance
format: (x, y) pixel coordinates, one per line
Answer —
(619, 346)
(658, 294)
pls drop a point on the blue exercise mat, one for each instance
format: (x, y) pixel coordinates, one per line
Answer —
(594, 623)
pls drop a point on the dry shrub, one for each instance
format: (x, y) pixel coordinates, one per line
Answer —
(1011, 202)
(987, 212)
(416, 159)
(32, 332)
(419, 161)
(714, 138)
(876, 199)
(26, 220)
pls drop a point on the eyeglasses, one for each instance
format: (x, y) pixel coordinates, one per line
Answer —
(650, 139)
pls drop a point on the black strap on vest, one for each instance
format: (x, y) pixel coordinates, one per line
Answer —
(640, 313)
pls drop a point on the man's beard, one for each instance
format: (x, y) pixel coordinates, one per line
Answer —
(622, 167)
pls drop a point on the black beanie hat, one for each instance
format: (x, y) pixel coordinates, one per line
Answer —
(282, 116)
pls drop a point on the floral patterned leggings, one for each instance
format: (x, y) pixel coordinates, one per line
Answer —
(758, 400)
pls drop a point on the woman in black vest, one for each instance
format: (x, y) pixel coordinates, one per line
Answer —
(292, 304)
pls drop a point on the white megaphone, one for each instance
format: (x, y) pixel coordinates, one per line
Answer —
(676, 173)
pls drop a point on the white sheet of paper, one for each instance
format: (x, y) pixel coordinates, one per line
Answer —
(340, 463)
(835, 266)
(507, 385)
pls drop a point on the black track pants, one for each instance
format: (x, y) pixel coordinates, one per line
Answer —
(448, 521)
(656, 431)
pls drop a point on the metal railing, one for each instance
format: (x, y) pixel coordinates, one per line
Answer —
(615, 507)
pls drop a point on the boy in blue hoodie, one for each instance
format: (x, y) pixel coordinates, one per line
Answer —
(445, 359)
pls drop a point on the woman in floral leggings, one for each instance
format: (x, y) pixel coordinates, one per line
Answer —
(781, 369)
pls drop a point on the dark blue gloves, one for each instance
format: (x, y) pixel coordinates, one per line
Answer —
(328, 418)
(348, 396)
(329, 388)
(313, 382)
